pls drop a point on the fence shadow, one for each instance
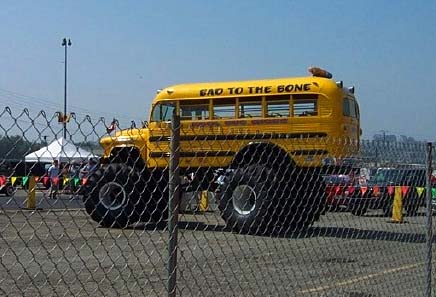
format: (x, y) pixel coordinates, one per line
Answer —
(355, 233)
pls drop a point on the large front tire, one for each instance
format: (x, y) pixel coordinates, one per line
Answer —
(114, 196)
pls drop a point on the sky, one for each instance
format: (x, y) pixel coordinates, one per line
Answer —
(123, 51)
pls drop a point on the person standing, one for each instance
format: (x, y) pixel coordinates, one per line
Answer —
(88, 169)
(53, 173)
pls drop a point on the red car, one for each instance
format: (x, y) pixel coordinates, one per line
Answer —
(336, 190)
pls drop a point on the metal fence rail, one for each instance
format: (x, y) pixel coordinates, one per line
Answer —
(172, 219)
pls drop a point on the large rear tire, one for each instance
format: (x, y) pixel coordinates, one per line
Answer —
(116, 196)
(245, 200)
(257, 200)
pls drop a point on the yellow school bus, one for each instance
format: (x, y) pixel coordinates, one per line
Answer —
(272, 132)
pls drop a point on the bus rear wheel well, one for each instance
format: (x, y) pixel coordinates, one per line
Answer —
(262, 153)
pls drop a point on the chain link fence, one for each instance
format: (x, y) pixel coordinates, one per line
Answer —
(195, 211)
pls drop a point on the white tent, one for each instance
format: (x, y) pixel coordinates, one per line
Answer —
(60, 149)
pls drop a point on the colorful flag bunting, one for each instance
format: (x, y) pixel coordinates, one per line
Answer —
(84, 181)
(76, 181)
(66, 180)
(419, 190)
(351, 189)
(433, 193)
(404, 190)
(391, 190)
(25, 179)
(363, 190)
(2, 180)
(375, 190)
(13, 180)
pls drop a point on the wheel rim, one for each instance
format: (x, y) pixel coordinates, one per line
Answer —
(10, 191)
(112, 195)
(244, 199)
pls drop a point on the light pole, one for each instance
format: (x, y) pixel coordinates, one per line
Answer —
(65, 44)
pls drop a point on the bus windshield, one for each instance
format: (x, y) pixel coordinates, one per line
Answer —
(163, 112)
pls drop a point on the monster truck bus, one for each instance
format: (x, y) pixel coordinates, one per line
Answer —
(268, 138)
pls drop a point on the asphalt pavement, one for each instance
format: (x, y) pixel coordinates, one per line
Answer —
(57, 250)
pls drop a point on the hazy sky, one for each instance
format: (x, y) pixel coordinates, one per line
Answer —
(123, 51)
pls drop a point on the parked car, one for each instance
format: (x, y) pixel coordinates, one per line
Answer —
(336, 189)
(375, 193)
(7, 189)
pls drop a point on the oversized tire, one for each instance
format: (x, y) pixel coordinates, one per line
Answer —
(116, 196)
(245, 199)
(257, 200)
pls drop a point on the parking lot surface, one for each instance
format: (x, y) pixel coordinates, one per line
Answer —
(58, 250)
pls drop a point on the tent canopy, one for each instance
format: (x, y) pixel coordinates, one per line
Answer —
(60, 149)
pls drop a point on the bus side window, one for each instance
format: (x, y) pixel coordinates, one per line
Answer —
(277, 106)
(250, 107)
(224, 108)
(194, 110)
(350, 108)
(304, 105)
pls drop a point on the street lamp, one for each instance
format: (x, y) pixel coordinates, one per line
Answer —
(65, 44)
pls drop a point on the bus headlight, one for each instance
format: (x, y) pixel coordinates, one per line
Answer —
(329, 161)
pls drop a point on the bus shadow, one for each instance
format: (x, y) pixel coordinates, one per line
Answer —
(312, 232)
(182, 225)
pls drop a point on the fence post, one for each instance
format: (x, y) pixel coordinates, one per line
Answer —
(429, 234)
(173, 204)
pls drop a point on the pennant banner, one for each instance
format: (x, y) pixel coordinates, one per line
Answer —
(45, 181)
(433, 193)
(391, 190)
(404, 190)
(363, 190)
(419, 190)
(351, 189)
(375, 190)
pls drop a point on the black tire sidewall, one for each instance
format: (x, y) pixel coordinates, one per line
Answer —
(129, 212)
(258, 178)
